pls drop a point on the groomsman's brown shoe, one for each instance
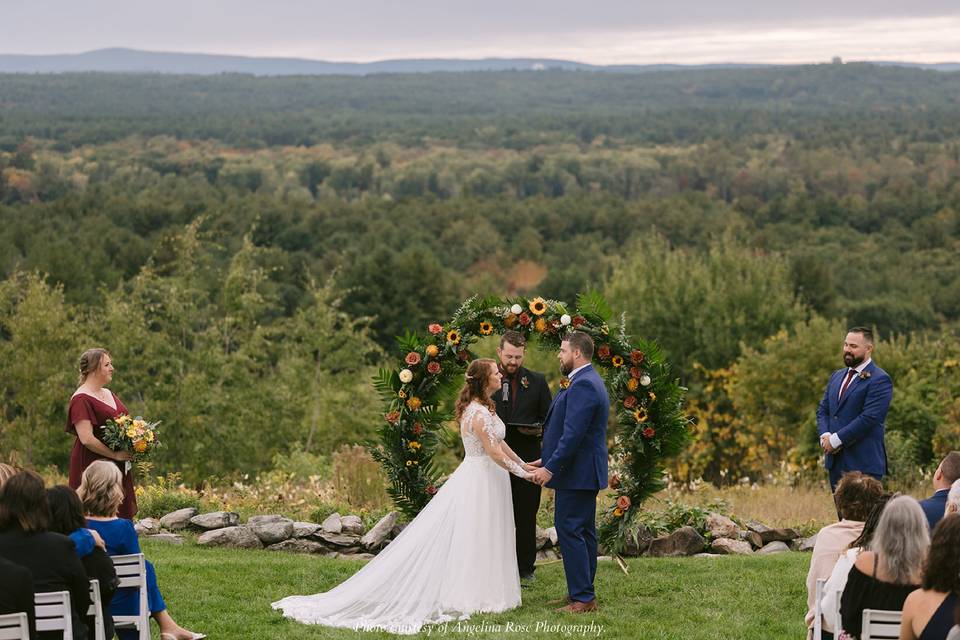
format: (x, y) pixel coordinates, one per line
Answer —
(564, 600)
(579, 607)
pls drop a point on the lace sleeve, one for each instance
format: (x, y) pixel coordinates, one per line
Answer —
(491, 444)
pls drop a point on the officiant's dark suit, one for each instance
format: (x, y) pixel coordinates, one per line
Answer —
(527, 403)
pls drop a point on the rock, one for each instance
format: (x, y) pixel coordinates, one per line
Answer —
(351, 524)
(271, 531)
(304, 529)
(552, 534)
(169, 538)
(361, 556)
(240, 537)
(806, 544)
(547, 556)
(685, 541)
(637, 544)
(397, 529)
(299, 545)
(349, 552)
(774, 547)
(753, 538)
(379, 533)
(337, 539)
(332, 523)
(265, 518)
(177, 520)
(778, 535)
(543, 540)
(757, 527)
(720, 526)
(216, 520)
(147, 527)
(727, 546)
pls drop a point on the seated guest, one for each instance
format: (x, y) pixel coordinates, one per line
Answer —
(6, 472)
(928, 612)
(50, 557)
(953, 500)
(885, 574)
(855, 496)
(101, 491)
(946, 474)
(66, 517)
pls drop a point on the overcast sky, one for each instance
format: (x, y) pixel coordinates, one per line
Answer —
(596, 31)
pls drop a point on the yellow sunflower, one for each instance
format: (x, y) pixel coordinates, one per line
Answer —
(640, 415)
(538, 306)
(485, 328)
(617, 361)
(453, 336)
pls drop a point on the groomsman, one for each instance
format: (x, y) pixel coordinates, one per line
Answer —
(522, 404)
(850, 418)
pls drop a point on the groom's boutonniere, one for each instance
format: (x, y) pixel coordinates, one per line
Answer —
(864, 375)
(564, 382)
(524, 382)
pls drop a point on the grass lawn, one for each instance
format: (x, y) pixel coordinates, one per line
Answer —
(227, 594)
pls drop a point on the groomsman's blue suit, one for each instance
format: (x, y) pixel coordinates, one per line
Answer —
(575, 452)
(858, 420)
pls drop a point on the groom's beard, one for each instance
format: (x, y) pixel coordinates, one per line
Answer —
(851, 361)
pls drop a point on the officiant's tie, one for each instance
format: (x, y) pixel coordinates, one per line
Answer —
(846, 383)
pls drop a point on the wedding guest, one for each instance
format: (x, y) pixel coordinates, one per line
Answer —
(6, 472)
(50, 557)
(101, 491)
(953, 500)
(91, 406)
(66, 517)
(948, 472)
(855, 496)
(838, 577)
(885, 574)
(928, 612)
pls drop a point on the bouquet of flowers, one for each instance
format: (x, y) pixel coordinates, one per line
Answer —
(136, 435)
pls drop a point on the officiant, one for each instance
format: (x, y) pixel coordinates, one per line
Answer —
(522, 404)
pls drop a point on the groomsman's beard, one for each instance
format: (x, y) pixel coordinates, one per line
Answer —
(565, 368)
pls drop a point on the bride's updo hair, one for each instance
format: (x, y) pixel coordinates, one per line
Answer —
(475, 386)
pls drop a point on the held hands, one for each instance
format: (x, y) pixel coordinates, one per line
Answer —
(123, 456)
(97, 540)
(540, 476)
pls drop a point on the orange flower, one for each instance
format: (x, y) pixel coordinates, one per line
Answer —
(393, 417)
(417, 428)
(623, 502)
(486, 328)
(603, 352)
(510, 321)
(579, 321)
(432, 350)
(632, 384)
(637, 356)
(564, 383)
(617, 512)
(414, 403)
(617, 361)
(140, 446)
(540, 325)
(635, 372)
(630, 402)
(538, 306)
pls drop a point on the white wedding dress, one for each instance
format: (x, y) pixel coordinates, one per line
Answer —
(457, 557)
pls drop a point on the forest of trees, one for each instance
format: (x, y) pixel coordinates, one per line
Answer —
(249, 247)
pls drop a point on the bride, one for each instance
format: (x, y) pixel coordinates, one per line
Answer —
(457, 557)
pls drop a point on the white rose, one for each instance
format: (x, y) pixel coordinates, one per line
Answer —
(516, 309)
(564, 319)
(406, 376)
(645, 380)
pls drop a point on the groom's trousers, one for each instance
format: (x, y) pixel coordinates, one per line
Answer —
(576, 522)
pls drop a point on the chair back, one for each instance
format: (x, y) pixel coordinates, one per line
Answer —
(880, 625)
(53, 612)
(96, 610)
(14, 626)
(132, 572)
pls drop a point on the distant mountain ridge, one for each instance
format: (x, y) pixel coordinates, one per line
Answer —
(119, 60)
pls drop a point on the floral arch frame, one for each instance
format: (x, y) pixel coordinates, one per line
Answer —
(647, 404)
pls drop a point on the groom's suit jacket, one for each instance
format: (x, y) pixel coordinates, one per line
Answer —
(858, 420)
(575, 434)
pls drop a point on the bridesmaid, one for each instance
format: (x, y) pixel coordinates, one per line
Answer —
(91, 406)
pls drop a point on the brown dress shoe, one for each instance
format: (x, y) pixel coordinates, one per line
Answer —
(563, 600)
(579, 607)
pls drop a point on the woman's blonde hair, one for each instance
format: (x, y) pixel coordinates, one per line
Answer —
(901, 540)
(90, 361)
(475, 387)
(6, 472)
(101, 489)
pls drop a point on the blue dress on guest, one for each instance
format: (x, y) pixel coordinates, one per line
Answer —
(121, 539)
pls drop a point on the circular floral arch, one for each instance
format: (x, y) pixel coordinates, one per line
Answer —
(647, 402)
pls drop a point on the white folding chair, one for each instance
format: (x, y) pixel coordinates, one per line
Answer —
(818, 611)
(132, 572)
(14, 626)
(53, 612)
(95, 610)
(880, 625)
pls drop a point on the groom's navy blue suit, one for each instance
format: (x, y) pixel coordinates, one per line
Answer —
(858, 420)
(575, 452)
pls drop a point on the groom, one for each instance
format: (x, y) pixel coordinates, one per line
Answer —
(574, 464)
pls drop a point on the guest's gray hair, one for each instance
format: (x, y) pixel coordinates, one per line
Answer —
(953, 499)
(901, 540)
